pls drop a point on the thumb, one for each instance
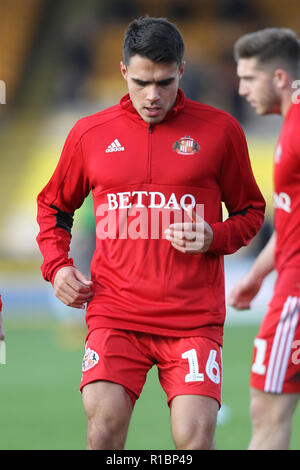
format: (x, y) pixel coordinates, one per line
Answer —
(193, 214)
(83, 279)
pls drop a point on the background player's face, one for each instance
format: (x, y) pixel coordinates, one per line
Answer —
(152, 86)
(256, 85)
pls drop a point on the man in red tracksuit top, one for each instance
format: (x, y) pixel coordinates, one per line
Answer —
(268, 69)
(159, 166)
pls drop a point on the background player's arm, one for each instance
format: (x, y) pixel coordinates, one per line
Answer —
(246, 289)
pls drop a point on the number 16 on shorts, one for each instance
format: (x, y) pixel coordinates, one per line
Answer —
(212, 368)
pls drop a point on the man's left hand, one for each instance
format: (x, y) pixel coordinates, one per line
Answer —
(190, 237)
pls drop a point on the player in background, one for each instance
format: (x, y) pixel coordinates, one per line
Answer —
(156, 293)
(267, 66)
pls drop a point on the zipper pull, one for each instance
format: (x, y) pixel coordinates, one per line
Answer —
(150, 128)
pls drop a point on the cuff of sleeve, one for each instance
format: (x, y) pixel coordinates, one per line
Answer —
(57, 268)
(219, 242)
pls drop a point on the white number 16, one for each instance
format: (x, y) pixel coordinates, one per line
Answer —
(212, 367)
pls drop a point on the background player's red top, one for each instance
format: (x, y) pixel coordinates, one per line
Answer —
(197, 155)
(287, 192)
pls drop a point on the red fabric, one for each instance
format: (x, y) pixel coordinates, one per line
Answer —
(287, 192)
(186, 366)
(144, 284)
(276, 356)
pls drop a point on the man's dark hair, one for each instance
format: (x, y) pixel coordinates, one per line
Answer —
(155, 39)
(278, 46)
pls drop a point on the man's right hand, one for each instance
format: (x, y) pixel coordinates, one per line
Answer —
(244, 292)
(246, 289)
(72, 287)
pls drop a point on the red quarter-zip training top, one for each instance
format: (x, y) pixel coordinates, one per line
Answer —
(142, 178)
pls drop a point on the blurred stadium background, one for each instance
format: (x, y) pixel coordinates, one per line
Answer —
(59, 61)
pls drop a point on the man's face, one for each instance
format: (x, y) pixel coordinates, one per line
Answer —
(256, 85)
(152, 86)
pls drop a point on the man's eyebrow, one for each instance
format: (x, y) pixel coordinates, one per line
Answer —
(166, 81)
(246, 77)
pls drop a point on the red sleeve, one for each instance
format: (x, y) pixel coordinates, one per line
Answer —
(57, 202)
(241, 195)
(295, 136)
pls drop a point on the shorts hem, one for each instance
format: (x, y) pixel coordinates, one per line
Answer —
(204, 394)
(287, 390)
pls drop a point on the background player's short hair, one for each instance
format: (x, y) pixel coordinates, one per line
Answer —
(271, 46)
(155, 39)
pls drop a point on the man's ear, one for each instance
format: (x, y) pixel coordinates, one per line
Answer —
(181, 69)
(281, 79)
(123, 70)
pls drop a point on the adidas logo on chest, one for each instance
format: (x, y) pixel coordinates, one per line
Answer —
(115, 146)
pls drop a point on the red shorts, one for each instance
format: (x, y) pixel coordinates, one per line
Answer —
(276, 356)
(186, 366)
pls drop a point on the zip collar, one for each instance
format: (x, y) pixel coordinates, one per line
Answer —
(126, 105)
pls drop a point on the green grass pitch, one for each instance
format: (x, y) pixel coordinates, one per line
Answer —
(40, 404)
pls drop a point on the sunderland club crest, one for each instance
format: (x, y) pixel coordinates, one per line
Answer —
(186, 146)
(90, 359)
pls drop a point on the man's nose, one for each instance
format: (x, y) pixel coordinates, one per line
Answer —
(243, 91)
(153, 93)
